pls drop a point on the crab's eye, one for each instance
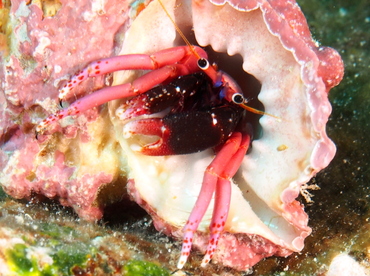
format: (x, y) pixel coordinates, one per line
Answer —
(237, 98)
(203, 63)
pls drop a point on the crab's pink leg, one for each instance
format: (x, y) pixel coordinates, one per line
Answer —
(223, 196)
(131, 62)
(110, 93)
(210, 178)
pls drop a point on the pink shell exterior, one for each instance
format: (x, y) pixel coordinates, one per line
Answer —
(86, 155)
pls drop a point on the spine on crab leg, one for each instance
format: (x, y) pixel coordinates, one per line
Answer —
(223, 196)
(212, 174)
(130, 62)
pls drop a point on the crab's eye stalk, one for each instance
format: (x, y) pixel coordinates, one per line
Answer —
(203, 64)
(238, 98)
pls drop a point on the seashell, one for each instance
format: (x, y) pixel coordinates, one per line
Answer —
(273, 39)
(86, 165)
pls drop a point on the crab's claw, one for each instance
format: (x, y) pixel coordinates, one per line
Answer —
(150, 127)
(180, 133)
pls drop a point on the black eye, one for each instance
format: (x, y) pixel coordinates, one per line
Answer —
(237, 98)
(203, 63)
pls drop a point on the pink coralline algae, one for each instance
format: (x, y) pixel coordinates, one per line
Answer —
(85, 161)
(43, 52)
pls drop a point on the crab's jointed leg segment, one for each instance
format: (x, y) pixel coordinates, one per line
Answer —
(110, 93)
(166, 65)
(160, 59)
(223, 197)
(216, 179)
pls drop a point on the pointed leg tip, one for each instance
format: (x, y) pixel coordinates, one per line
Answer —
(181, 262)
(205, 261)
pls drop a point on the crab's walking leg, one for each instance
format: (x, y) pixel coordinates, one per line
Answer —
(166, 64)
(140, 85)
(130, 62)
(234, 147)
(222, 198)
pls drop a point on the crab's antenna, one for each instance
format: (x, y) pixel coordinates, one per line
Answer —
(256, 111)
(239, 99)
(178, 30)
(206, 65)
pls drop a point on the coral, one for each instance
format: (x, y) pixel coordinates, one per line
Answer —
(77, 164)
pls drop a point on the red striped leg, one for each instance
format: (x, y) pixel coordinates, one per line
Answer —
(210, 179)
(140, 85)
(157, 60)
(223, 196)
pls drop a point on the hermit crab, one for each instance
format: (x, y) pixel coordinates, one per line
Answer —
(184, 130)
(206, 111)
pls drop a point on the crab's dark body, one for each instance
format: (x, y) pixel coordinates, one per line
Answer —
(197, 119)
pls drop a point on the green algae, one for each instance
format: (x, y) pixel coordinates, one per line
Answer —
(142, 268)
(3, 195)
(18, 261)
(66, 260)
(46, 239)
(38, 244)
(32, 260)
(52, 256)
(56, 231)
